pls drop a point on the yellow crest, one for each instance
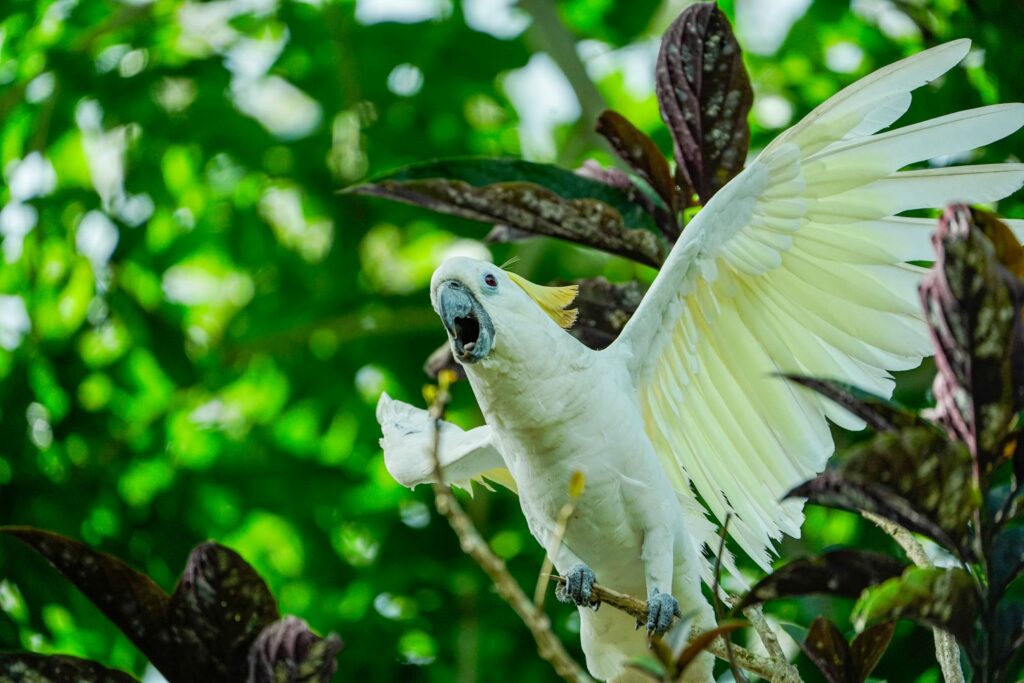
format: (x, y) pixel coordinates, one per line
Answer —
(552, 300)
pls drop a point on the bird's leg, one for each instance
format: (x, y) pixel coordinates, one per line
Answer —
(579, 582)
(658, 559)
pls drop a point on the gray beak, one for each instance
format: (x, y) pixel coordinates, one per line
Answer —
(468, 325)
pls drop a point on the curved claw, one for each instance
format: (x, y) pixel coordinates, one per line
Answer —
(662, 610)
(578, 587)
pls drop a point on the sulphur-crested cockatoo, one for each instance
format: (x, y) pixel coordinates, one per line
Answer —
(797, 265)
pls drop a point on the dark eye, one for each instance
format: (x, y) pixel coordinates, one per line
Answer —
(490, 280)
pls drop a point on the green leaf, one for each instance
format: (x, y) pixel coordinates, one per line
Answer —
(1006, 559)
(933, 596)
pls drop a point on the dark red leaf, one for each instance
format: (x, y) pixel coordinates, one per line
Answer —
(529, 207)
(704, 94)
(826, 646)
(288, 652)
(128, 598)
(29, 667)
(868, 647)
(217, 610)
(643, 156)
(973, 304)
(663, 215)
(880, 413)
(833, 489)
(839, 572)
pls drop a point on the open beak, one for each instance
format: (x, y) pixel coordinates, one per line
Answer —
(468, 325)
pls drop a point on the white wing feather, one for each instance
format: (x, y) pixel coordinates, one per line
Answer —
(798, 265)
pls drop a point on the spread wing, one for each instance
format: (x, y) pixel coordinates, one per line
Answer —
(408, 444)
(798, 265)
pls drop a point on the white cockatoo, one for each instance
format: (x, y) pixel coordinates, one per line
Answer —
(797, 265)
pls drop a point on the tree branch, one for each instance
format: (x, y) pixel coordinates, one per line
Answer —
(946, 650)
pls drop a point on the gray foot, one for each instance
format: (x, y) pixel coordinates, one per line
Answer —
(578, 586)
(662, 609)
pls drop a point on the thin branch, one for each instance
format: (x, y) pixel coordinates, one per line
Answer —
(787, 673)
(544, 577)
(472, 543)
(946, 650)
(636, 608)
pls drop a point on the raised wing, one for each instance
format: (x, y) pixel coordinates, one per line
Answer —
(798, 265)
(408, 443)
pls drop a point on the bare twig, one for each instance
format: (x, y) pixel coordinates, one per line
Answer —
(946, 650)
(549, 646)
(716, 599)
(786, 672)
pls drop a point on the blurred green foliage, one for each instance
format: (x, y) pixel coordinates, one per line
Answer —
(194, 327)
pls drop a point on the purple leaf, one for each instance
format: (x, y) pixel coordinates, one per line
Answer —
(217, 610)
(880, 414)
(131, 600)
(826, 646)
(839, 572)
(868, 647)
(643, 156)
(288, 652)
(704, 94)
(529, 207)
(973, 303)
(36, 668)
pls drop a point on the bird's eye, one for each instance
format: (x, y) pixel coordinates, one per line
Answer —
(490, 280)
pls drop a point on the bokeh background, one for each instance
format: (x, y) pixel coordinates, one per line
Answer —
(195, 326)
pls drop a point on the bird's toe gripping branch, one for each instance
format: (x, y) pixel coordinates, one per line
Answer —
(662, 611)
(578, 587)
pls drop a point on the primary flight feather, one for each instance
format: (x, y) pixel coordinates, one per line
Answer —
(797, 265)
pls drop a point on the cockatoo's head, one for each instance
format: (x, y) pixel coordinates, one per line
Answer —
(479, 303)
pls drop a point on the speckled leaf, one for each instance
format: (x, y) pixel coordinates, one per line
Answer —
(839, 572)
(643, 156)
(704, 94)
(604, 308)
(286, 651)
(826, 646)
(131, 600)
(833, 489)
(217, 610)
(880, 413)
(29, 667)
(868, 647)
(973, 304)
(635, 192)
(924, 468)
(1006, 559)
(933, 596)
(529, 207)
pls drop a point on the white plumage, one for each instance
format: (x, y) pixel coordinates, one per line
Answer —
(797, 265)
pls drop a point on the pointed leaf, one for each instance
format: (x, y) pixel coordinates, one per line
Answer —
(288, 652)
(1009, 631)
(880, 413)
(30, 667)
(932, 474)
(835, 490)
(1006, 559)
(643, 156)
(868, 647)
(933, 596)
(131, 600)
(839, 572)
(973, 305)
(704, 94)
(529, 207)
(827, 648)
(217, 610)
